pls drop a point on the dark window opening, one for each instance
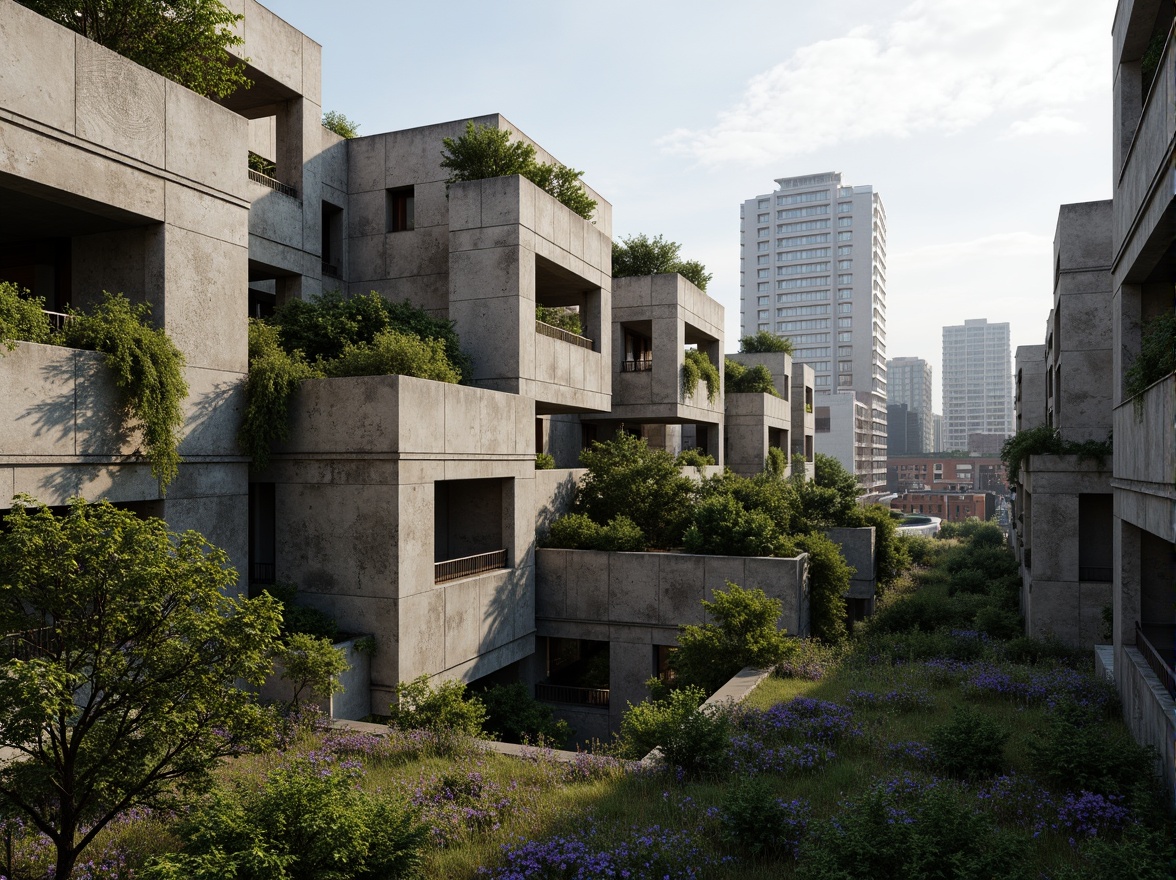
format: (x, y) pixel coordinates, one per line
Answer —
(468, 534)
(262, 531)
(332, 240)
(401, 209)
(577, 671)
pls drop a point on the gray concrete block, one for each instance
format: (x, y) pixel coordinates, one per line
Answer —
(205, 142)
(680, 587)
(37, 67)
(422, 627)
(120, 105)
(197, 211)
(632, 588)
(588, 585)
(206, 280)
(366, 170)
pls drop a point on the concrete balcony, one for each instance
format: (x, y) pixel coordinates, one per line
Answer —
(1144, 189)
(1145, 459)
(512, 246)
(755, 424)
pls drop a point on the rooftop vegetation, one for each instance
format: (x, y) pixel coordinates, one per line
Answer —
(764, 342)
(695, 366)
(1046, 440)
(1157, 355)
(641, 255)
(146, 366)
(335, 121)
(748, 380)
(483, 152)
(184, 40)
(334, 336)
(923, 747)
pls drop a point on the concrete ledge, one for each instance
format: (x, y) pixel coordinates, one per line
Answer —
(513, 750)
(1104, 661)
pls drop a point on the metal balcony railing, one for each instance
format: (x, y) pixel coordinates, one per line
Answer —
(331, 270)
(27, 644)
(557, 333)
(57, 320)
(262, 573)
(276, 185)
(1157, 644)
(637, 366)
(558, 693)
(468, 566)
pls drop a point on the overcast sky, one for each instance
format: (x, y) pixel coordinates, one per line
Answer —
(973, 120)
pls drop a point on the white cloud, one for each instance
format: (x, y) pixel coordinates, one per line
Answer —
(941, 65)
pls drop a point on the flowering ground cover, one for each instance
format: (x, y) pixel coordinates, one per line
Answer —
(915, 754)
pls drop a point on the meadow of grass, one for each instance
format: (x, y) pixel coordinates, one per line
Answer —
(927, 746)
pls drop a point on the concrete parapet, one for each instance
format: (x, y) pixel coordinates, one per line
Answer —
(1145, 459)
(755, 423)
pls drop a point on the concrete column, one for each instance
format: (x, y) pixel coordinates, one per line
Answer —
(629, 666)
(1128, 107)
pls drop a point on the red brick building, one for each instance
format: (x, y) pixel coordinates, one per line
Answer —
(943, 473)
(948, 506)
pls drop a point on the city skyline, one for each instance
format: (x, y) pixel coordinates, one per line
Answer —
(974, 124)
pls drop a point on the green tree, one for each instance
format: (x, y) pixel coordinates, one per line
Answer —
(641, 255)
(483, 152)
(184, 40)
(829, 500)
(443, 709)
(763, 341)
(891, 557)
(21, 317)
(311, 665)
(627, 478)
(340, 124)
(745, 632)
(748, 380)
(123, 684)
(829, 579)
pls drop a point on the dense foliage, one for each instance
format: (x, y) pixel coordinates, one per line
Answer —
(694, 458)
(748, 380)
(764, 342)
(146, 365)
(337, 336)
(563, 318)
(22, 318)
(1046, 440)
(640, 255)
(483, 152)
(147, 368)
(745, 632)
(695, 366)
(443, 709)
(690, 737)
(513, 715)
(1157, 355)
(308, 820)
(134, 686)
(184, 40)
(335, 121)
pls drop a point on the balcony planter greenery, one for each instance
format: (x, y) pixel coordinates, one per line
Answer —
(640, 255)
(696, 365)
(1157, 355)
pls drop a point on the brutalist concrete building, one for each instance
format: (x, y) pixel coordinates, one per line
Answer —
(406, 508)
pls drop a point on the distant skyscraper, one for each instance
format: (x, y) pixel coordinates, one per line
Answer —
(908, 382)
(977, 382)
(814, 271)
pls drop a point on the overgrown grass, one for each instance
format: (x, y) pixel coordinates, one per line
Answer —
(875, 706)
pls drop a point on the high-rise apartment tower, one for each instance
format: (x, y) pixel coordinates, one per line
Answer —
(908, 382)
(977, 382)
(813, 261)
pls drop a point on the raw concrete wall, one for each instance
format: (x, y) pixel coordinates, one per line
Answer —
(355, 489)
(1145, 459)
(857, 548)
(502, 232)
(352, 702)
(635, 601)
(1148, 709)
(751, 419)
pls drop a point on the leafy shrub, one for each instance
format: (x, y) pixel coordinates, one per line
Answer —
(745, 633)
(311, 665)
(562, 318)
(829, 578)
(513, 715)
(274, 376)
(757, 823)
(891, 557)
(970, 746)
(1141, 853)
(392, 353)
(921, 549)
(1046, 440)
(968, 580)
(544, 461)
(627, 478)
(22, 318)
(999, 623)
(309, 820)
(1157, 355)
(301, 618)
(444, 709)
(1077, 752)
(748, 380)
(694, 458)
(147, 367)
(691, 738)
(724, 527)
(640, 255)
(335, 121)
(1030, 651)
(575, 531)
(696, 365)
(916, 831)
(776, 462)
(483, 152)
(763, 342)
